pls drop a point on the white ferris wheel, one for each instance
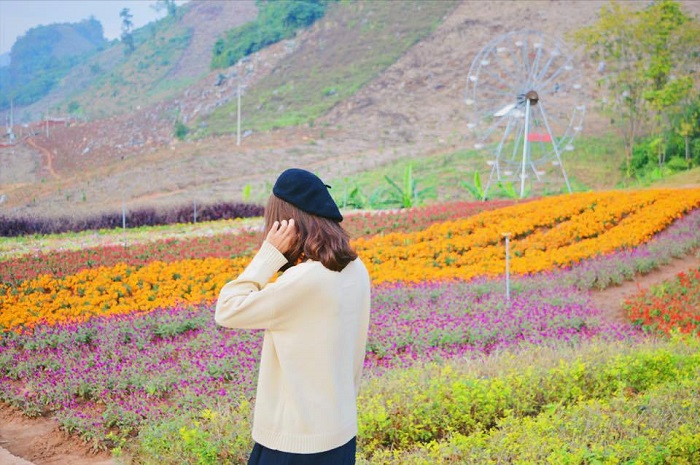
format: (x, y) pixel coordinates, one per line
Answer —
(525, 100)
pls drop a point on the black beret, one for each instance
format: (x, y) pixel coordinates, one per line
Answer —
(307, 192)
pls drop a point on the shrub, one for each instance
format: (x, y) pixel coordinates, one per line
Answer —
(422, 405)
(146, 216)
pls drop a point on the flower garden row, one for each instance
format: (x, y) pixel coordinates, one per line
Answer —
(546, 234)
(127, 371)
(60, 263)
(162, 381)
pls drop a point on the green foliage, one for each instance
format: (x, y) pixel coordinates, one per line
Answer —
(181, 130)
(168, 5)
(680, 149)
(407, 194)
(657, 428)
(214, 436)
(424, 407)
(475, 189)
(597, 403)
(43, 56)
(245, 196)
(127, 28)
(353, 197)
(508, 189)
(277, 20)
(650, 55)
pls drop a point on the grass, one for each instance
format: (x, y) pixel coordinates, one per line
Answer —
(139, 78)
(683, 178)
(367, 37)
(593, 165)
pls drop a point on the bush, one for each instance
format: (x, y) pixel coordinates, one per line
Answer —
(146, 216)
(421, 406)
(657, 428)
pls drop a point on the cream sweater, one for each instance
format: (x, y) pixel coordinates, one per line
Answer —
(315, 323)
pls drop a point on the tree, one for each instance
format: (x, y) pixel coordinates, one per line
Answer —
(651, 58)
(168, 5)
(127, 27)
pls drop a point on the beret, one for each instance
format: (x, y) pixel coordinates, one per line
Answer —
(307, 192)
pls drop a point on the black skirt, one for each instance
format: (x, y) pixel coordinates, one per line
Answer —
(343, 455)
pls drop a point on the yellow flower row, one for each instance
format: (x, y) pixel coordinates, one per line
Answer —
(547, 233)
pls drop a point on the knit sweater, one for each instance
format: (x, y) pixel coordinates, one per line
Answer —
(315, 323)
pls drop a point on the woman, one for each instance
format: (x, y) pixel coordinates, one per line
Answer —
(315, 316)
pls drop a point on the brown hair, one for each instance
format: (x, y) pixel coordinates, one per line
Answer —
(319, 238)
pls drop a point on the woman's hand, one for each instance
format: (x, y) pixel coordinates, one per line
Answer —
(282, 235)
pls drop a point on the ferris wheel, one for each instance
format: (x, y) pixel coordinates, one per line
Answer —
(525, 100)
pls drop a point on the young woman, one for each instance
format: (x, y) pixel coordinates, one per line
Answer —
(315, 316)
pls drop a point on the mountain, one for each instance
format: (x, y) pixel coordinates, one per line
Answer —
(44, 55)
(4, 59)
(369, 85)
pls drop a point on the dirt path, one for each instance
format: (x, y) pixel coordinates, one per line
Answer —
(25, 441)
(610, 300)
(47, 153)
(39, 441)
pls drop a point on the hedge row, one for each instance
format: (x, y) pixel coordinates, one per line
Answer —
(12, 226)
(596, 404)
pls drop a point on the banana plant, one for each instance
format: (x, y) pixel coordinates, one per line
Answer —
(475, 188)
(408, 194)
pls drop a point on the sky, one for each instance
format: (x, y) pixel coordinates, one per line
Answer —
(18, 16)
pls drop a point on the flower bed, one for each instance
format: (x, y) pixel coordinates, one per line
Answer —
(126, 370)
(459, 249)
(672, 305)
(61, 263)
(129, 355)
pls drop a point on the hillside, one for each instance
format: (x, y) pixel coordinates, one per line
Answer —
(411, 107)
(43, 56)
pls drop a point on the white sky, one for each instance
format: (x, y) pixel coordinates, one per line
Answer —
(18, 16)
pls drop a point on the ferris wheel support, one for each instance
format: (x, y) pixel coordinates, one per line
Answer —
(526, 147)
(556, 148)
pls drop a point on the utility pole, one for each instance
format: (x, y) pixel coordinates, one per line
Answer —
(238, 130)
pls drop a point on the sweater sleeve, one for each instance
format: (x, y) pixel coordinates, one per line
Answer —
(241, 302)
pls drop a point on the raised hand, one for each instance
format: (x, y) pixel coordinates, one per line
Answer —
(282, 235)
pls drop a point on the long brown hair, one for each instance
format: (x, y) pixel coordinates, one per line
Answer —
(318, 238)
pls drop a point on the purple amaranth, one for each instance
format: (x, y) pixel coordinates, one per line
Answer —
(431, 321)
(125, 370)
(679, 239)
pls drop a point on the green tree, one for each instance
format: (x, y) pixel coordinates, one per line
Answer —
(650, 55)
(127, 28)
(277, 20)
(168, 5)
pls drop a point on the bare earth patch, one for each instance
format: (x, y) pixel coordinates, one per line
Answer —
(40, 441)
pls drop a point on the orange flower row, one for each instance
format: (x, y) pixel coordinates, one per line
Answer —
(547, 233)
(120, 289)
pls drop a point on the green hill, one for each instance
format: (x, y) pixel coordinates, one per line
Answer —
(44, 55)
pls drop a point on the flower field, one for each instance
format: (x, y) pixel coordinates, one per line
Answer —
(119, 344)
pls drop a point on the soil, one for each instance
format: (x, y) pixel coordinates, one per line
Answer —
(26, 441)
(40, 441)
